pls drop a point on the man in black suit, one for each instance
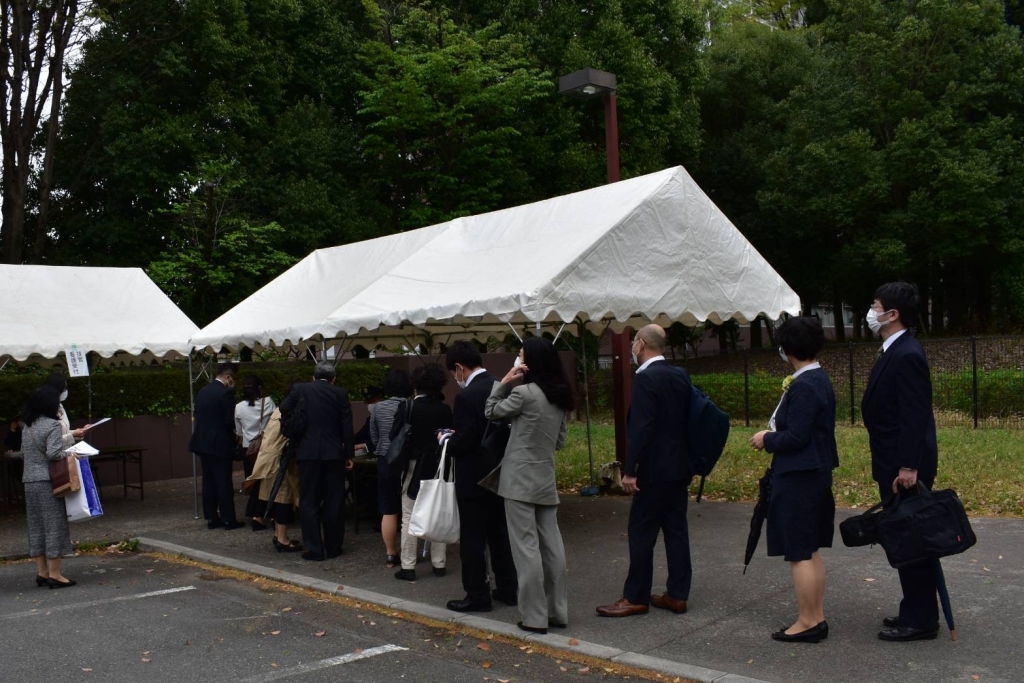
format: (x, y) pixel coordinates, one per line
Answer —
(658, 473)
(481, 512)
(324, 452)
(897, 410)
(213, 440)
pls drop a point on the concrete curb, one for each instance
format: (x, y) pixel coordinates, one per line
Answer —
(641, 661)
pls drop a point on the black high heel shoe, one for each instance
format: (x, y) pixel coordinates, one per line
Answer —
(41, 581)
(54, 583)
(292, 547)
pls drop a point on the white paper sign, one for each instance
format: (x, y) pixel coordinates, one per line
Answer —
(82, 448)
(78, 366)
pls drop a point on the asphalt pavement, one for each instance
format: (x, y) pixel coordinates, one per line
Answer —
(731, 615)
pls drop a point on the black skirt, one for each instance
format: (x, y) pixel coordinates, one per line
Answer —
(801, 514)
(389, 488)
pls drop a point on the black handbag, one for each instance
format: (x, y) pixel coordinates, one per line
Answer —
(863, 528)
(495, 439)
(926, 526)
(396, 449)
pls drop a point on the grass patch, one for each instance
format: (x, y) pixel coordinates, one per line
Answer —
(984, 466)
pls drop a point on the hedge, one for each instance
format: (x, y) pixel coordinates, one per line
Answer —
(164, 390)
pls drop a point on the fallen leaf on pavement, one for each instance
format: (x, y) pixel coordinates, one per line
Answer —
(287, 609)
(458, 644)
(146, 660)
(573, 641)
(562, 668)
(373, 623)
(502, 680)
(750, 661)
(358, 651)
(585, 670)
(86, 670)
(273, 664)
(486, 665)
(490, 636)
(147, 652)
(320, 634)
(483, 646)
(975, 677)
(275, 633)
(149, 571)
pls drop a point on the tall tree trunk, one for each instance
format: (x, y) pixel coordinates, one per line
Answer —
(938, 308)
(838, 317)
(756, 326)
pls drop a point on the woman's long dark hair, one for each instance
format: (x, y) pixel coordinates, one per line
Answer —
(43, 402)
(252, 389)
(546, 371)
(58, 382)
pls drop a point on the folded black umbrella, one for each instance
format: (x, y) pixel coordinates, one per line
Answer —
(947, 608)
(764, 494)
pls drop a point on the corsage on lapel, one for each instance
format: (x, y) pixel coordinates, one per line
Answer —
(786, 382)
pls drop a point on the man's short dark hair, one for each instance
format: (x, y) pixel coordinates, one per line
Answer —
(227, 368)
(902, 297)
(801, 337)
(429, 379)
(465, 354)
(325, 370)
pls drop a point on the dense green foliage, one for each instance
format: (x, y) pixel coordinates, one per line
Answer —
(164, 390)
(216, 142)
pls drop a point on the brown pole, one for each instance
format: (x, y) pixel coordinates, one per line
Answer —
(611, 137)
(622, 373)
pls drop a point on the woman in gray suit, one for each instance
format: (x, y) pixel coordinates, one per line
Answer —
(537, 410)
(48, 536)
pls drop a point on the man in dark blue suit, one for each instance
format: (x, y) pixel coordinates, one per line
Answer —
(897, 409)
(324, 452)
(658, 473)
(213, 440)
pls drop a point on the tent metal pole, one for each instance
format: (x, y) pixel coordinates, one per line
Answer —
(591, 490)
(192, 429)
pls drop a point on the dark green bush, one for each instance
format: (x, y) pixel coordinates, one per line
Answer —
(164, 390)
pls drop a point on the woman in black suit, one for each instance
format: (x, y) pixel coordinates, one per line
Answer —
(429, 414)
(801, 437)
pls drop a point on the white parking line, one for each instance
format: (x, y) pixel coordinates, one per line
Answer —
(324, 664)
(93, 603)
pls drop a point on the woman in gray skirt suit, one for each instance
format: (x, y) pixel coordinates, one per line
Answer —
(537, 410)
(41, 442)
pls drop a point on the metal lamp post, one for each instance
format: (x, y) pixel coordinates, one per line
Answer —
(588, 84)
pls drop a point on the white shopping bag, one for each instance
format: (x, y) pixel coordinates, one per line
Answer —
(85, 502)
(435, 516)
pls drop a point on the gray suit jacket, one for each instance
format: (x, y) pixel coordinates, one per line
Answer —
(538, 430)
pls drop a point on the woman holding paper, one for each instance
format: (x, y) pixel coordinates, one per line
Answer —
(48, 536)
(68, 435)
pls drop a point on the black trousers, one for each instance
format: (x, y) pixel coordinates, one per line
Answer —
(218, 492)
(322, 505)
(658, 507)
(919, 607)
(482, 522)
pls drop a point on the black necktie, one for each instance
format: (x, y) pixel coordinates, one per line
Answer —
(878, 354)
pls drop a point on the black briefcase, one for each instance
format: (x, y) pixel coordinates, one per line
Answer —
(862, 529)
(926, 526)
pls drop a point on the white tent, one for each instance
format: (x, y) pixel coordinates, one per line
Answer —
(653, 248)
(114, 312)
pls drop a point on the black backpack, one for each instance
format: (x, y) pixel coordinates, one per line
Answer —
(706, 436)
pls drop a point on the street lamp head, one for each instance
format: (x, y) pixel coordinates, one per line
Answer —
(587, 83)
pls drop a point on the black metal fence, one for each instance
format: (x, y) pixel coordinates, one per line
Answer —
(976, 381)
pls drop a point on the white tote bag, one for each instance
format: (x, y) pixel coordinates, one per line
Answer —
(85, 502)
(435, 515)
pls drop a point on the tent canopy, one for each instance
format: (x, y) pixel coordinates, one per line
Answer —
(110, 311)
(653, 248)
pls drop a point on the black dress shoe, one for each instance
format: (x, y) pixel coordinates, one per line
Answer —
(509, 599)
(257, 526)
(532, 629)
(54, 583)
(406, 575)
(469, 605)
(312, 557)
(823, 628)
(891, 622)
(902, 634)
(811, 635)
(214, 524)
(230, 526)
(555, 624)
(41, 581)
(440, 571)
(291, 547)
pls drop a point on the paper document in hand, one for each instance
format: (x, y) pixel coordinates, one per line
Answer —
(82, 448)
(97, 423)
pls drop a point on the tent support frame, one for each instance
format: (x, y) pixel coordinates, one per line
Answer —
(205, 367)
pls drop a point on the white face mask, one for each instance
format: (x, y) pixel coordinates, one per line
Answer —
(460, 382)
(872, 320)
(64, 396)
(632, 354)
(518, 362)
(782, 354)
